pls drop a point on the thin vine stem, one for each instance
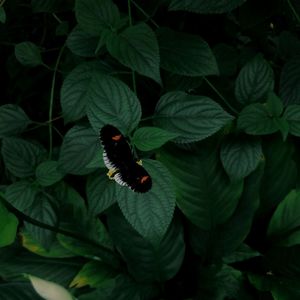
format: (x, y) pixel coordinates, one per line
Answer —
(293, 10)
(145, 14)
(52, 100)
(221, 96)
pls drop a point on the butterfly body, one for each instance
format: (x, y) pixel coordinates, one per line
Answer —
(123, 167)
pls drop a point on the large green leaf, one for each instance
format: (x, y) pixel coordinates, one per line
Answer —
(42, 210)
(79, 147)
(254, 81)
(18, 291)
(204, 193)
(100, 193)
(2, 15)
(149, 213)
(13, 120)
(47, 173)
(280, 174)
(292, 116)
(286, 217)
(193, 118)
(21, 157)
(61, 271)
(149, 138)
(137, 48)
(8, 226)
(289, 82)
(94, 16)
(81, 43)
(206, 7)
(221, 241)
(145, 262)
(185, 54)
(255, 119)
(28, 54)
(21, 194)
(110, 101)
(240, 156)
(73, 95)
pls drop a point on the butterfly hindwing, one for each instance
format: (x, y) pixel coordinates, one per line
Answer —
(118, 156)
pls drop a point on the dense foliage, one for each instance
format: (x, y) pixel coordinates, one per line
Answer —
(208, 94)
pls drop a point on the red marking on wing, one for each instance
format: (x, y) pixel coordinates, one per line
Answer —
(116, 137)
(144, 178)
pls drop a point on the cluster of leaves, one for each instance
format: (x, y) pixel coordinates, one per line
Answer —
(207, 93)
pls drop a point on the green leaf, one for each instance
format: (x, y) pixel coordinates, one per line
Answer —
(21, 194)
(136, 47)
(280, 175)
(244, 252)
(255, 119)
(254, 81)
(100, 193)
(97, 161)
(93, 16)
(110, 101)
(8, 226)
(75, 88)
(2, 15)
(28, 54)
(286, 217)
(79, 147)
(47, 173)
(18, 291)
(21, 157)
(61, 271)
(149, 138)
(283, 127)
(43, 211)
(81, 43)
(193, 118)
(206, 7)
(240, 156)
(149, 213)
(274, 105)
(289, 90)
(185, 54)
(94, 274)
(13, 120)
(204, 193)
(62, 29)
(292, 116)
(145, 262)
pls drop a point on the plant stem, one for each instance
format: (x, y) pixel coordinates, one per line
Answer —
(293, 10)
(220, 95)
(52, 100)
(145, 14)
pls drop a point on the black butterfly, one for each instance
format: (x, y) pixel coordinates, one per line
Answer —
(123, 167)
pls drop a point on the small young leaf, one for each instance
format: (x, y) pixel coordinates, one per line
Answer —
(150, 213)
(73, 95)
(62, 29)
(240, 157)
(21, 194)
(283, 127)
(185, 54)
(193, 118)
(254, 81)
(79, 147)
(93, 16)
(47, 173)
(2, 15)
(110, 101)
(81, 43)
(13, 120)
(244, 252)
(274, 105)
(255, 119)
(137, 48)
(8, 226)
(28, 54)
(206, 7)
(149, 138)
(289, 89)
(292, 116)
(21, 157)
